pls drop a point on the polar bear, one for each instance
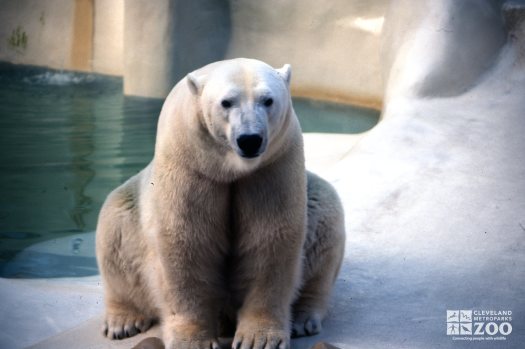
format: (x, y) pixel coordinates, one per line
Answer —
(224, 225)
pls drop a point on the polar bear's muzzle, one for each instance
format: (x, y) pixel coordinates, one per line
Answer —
(250, 145)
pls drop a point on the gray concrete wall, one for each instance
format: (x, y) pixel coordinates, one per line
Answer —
(85, 35)
(108, 37)
(164, 40)
(37, 32)
(334, 48)
(345, 50)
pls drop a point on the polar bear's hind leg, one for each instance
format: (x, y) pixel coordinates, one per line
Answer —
(119, 248)
(323, 252)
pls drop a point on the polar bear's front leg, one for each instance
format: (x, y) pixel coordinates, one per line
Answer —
(191, 240)
(270, 210)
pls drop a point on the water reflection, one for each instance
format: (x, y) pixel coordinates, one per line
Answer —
(81, 145)
(62, 151)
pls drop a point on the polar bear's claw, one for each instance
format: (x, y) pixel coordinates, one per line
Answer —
(124, 326)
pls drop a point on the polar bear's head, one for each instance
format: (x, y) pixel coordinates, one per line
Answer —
(243, 103)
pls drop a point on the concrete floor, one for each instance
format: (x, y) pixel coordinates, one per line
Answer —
(435, 204)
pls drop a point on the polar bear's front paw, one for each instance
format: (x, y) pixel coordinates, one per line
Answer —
(306, 324)
(119, 326)
(262, 340)
(257, 336)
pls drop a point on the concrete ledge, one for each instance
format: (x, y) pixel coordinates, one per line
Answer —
(34, 309)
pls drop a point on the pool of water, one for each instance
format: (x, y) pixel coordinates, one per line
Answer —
(67, 140)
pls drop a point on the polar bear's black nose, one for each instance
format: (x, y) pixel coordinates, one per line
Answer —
(250, 145)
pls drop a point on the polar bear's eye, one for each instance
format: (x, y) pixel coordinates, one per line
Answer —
(226, 103)
(268, 102)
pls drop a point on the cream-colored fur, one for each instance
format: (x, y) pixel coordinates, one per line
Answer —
(205, 234)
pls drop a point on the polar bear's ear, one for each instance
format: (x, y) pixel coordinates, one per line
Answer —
(195, 83)
(286, 73)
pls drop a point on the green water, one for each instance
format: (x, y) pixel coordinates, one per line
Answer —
(67, 141)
